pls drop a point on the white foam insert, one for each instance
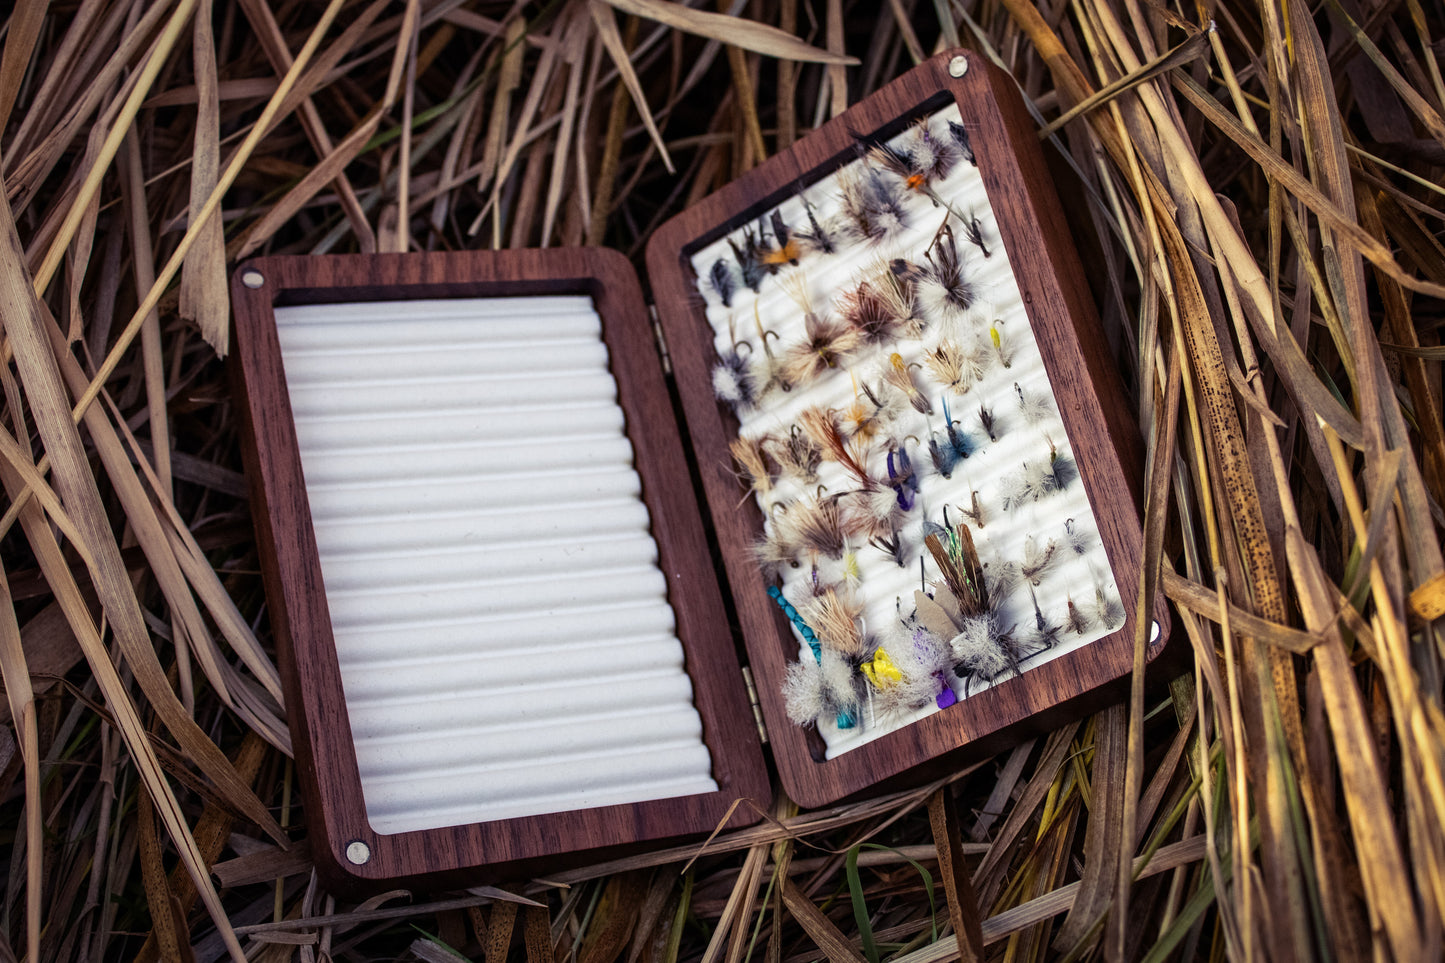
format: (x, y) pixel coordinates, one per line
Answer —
(505, 639)
(884, 586)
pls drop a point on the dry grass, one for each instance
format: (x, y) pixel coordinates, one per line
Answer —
(1258, 202)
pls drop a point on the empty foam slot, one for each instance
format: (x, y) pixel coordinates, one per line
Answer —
(502, 626)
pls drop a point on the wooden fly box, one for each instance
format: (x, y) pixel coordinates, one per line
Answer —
(503, 633)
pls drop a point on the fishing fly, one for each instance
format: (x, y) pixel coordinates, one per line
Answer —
(943, 289)
(973, 230)
(826, 344)
(748, 255)
(786, 250)
(720, 276)
(959, 133)
(797, 455)
(899, 374)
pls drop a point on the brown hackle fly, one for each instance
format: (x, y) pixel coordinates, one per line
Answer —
(899, 374)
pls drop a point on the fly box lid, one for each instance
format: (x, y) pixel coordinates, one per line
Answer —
(505, 640)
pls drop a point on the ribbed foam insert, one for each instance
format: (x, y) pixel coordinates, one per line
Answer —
(505, 639)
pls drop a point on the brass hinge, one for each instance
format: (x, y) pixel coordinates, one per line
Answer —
(661, 341)
(757, 709)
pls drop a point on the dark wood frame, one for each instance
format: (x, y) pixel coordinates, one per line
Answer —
(320, 731)
(1105, 439)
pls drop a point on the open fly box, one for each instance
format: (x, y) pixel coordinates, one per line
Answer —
(507, 638)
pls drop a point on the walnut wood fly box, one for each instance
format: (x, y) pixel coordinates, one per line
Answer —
(505, 640)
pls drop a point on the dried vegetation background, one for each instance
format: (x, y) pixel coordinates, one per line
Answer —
(1256, 190)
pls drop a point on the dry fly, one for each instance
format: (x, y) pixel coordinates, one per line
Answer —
(933, 156)
(721, 279)
(797, 455)
(869, 513)
(945, 459)
(898, 163)
(774, 550)
(960, 137)
(1033, 406)
(1078, 622)
(982, 652)
(901, 477)
(1107, 608)
(943, 290)
(816, 689)
(957, 560)
(961, 444)
(956, 368)
(786, 250)
(898, 297)
(826, 344)
(836, 623)
(892, 545)
(867, 415)
(973, 230)
(924, 161)
(749, 258)
(1014, 488)
(752, 465)
(732, 376)
(899, 374)
(868, 313)
(1055, 474)
(816, 237)
(871, 207)
(1000, 347)
(974, 513)
(1037, 561)
(1080, 539)
(1029, 484)
(989, 422)
(820, 426)
(813, 525)
(859, 418)
(732, 380)
(1046, 632)
(842, 571)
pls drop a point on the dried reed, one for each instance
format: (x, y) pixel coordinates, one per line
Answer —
(1257, 198)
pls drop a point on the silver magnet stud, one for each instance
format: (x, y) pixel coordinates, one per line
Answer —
(357, 852)
(253, 279)
(958, 66)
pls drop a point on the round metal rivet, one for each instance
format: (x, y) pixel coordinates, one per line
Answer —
(958, 66)
(254, 279)
(1154, 633)
(357, 851)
